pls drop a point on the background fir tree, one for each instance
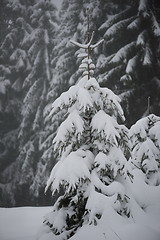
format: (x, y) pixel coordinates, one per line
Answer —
(130, 55)
(34, 24)
(40, 43)
(15, 66)
(4, 19)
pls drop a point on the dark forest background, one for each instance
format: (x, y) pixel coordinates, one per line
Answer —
(38, 63)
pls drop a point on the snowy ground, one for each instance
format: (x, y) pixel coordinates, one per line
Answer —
(21, 223)
(24, 223)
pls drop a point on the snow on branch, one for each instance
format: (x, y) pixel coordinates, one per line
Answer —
(134, 25)
(73, 125)
(147, 55)
(97, 44)
(123, 52)
(141, 39)
(156, 27)
(112, 102)
(70, 171)
(143, 5)
(4, 83)
(114, 29)
(66, 99)
(110, 190)
(84, 46)
(88, 45)
(131, 64)
(105, 126)
(115, 18)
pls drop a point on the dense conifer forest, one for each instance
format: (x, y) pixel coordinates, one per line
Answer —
(38, 63)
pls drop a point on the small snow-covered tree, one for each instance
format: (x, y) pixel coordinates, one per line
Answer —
(144, 169)
(92, 148)
(145, 154)
(73, 23)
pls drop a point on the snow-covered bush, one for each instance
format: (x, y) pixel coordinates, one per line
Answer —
(144, 167)
(145, 154)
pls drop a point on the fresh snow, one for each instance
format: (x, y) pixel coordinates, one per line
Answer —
(104, 125)
(123, 53)
(71, 169)
(73, 123)
(144, 194)
(117, 27)
(142, 6)
(3, 85)
(21, 223)
(131, 65)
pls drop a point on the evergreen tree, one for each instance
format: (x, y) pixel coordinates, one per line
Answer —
(130, 55)
(4, 19)
(92, 147)
(65, 58)
(63, 66)
(145, 152)
(144, 170)
(39, 43)
(129, 29)
(14, 65)
(73, 22)
(29, 42)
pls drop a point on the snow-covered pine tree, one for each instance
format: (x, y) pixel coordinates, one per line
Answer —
(144, 169)
(91, 146)
(61, 60)
(145, 152)
(73, 23)
(73, 18)
(130, 55)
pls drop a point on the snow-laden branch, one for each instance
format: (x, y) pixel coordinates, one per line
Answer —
(84, 46)
(97, 44)
(88, 45)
